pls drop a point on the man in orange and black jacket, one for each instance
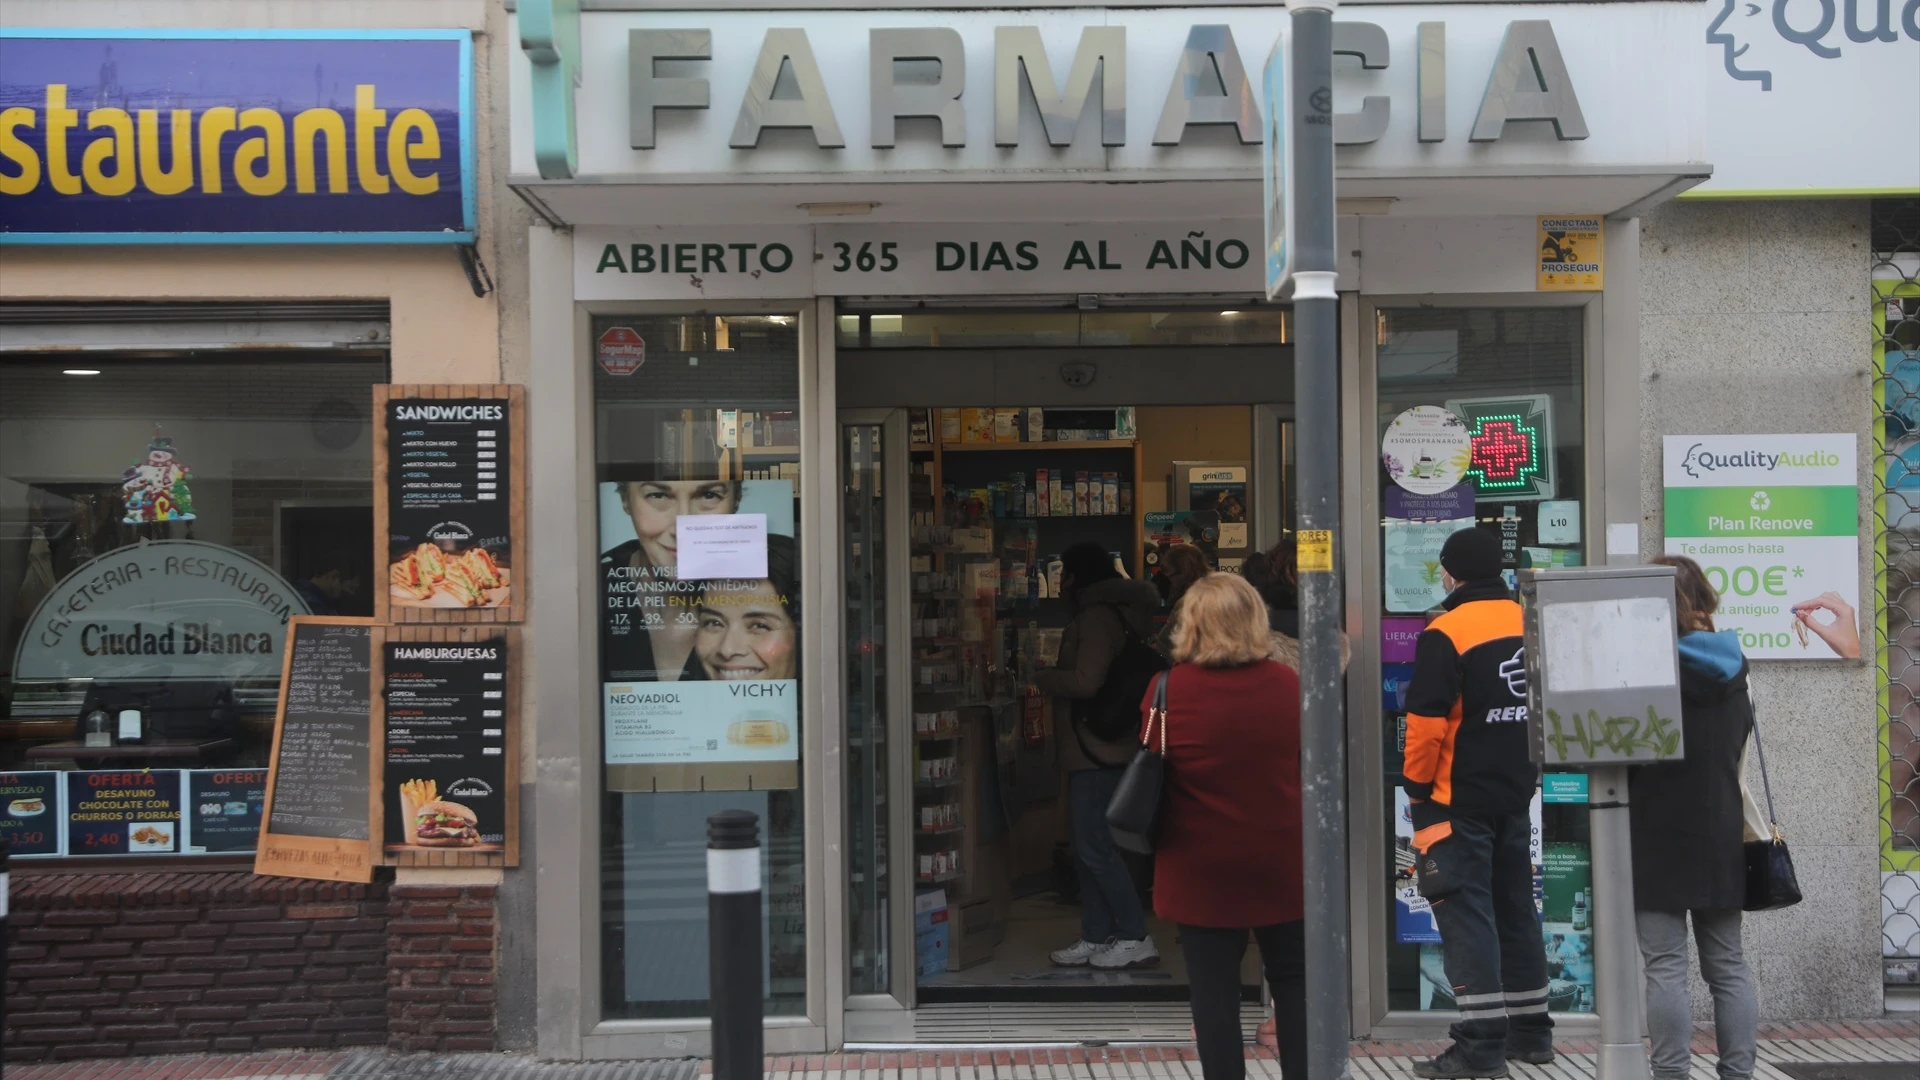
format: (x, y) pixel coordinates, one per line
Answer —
(1470, 780)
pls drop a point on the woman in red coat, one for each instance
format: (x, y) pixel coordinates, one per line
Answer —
(1227, 859)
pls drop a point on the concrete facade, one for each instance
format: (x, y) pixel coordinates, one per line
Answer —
(1754, 318)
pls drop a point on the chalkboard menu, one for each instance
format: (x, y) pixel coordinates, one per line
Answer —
(318, 805)
(449, 507)
(448, 780)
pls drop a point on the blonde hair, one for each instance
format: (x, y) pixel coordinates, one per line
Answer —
(1220, 622)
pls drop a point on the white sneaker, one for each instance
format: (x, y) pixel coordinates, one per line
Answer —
(1127, 954)
(1079, 953)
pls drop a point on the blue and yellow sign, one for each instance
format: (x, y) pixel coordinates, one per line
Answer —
(250, 136)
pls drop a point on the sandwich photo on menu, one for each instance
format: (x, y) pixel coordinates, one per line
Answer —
(428, 575)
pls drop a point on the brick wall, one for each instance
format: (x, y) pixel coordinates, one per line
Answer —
(111, 965)
(442, 944)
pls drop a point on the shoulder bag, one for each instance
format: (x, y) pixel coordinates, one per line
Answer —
(1134, 813)
(1771, 882)
(1114, 709)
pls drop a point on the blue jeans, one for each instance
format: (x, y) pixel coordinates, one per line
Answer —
(1109, 907)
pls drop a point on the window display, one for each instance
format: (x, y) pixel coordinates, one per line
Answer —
(161, 520)
(1480, 426)
(699, 456)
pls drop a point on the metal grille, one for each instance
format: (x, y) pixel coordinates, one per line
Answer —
(1896, 555)
(1058, 1024)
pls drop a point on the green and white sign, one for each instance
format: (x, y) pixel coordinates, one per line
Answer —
(1774, 521)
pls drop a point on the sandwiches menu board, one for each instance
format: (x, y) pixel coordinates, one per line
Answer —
(316, 822)
(448, 502)
(448, 783)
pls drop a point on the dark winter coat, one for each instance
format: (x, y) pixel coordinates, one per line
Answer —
(1087, 649)
(1688, 849)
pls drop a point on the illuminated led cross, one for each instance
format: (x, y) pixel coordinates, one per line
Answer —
(1506, 453)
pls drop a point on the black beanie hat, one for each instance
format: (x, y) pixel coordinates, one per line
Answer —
(1472, 554)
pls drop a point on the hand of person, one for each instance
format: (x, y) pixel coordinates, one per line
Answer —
(1842, 635)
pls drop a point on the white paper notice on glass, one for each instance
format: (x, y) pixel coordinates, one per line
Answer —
(1620, 644)
(1560, 522)
(721, 546)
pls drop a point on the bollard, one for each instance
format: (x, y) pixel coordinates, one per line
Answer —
(734, 944)
(6, 941)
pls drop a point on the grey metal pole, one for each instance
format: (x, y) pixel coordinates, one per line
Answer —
(735, 945)
(1615, 939)
(1316, 367)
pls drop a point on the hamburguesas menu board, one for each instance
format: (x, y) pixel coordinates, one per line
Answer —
(318, 804)
(445, 785)
(449, 514)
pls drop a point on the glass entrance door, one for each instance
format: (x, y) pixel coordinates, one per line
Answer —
(873, 506)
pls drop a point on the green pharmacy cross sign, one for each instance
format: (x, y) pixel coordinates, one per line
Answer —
(1512, 441)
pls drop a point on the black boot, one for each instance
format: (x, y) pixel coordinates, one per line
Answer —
(1455, 1064)
(1532, 1053)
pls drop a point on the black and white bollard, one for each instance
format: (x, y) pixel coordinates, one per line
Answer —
(735, 945)
(5, 883)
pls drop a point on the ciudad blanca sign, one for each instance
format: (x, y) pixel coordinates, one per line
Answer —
(224, 136)
(168, 609)
(765, 93)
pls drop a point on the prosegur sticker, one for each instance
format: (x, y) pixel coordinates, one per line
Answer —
(1573, 254)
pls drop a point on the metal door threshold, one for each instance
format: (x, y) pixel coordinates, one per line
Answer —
(1031, 1024)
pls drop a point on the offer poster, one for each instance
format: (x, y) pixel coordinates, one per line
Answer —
(224, 808)
(129, 812)
(1774, 521)
(30, 812)
(699, 674)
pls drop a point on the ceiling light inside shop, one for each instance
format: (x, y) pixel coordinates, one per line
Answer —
(1229, 314)
(838, 209)
(81, 371)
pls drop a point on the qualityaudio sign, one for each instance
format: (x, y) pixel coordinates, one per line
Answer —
(208, 136)
(1774, 521)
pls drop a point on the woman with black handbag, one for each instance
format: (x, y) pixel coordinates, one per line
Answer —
(1689, 859)
(1227, 843)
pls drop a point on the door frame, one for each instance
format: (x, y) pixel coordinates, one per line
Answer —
(895, 500)
(1610, 419)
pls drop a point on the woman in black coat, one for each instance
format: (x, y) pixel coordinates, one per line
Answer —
(1688, 845)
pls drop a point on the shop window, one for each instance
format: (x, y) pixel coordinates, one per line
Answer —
(1064, 329)
(160, 520)
(699, 487)
(1480, 425)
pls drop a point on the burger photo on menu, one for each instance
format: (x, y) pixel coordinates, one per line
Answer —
(430, 821)
(445, 824)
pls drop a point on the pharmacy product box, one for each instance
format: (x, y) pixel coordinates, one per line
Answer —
(974, 935)
(933, 950)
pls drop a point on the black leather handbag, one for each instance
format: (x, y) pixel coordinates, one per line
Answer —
(1134, 813)
(1771, 882)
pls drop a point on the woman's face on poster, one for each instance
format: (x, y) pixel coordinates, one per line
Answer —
(654, 506)
(746, 633)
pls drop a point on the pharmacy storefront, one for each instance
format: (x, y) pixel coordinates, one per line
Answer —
(911, 301)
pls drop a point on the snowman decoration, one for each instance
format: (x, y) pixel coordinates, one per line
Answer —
(156, 488)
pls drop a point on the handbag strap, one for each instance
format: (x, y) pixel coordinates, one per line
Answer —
(1158, 710)
(1766, 785)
